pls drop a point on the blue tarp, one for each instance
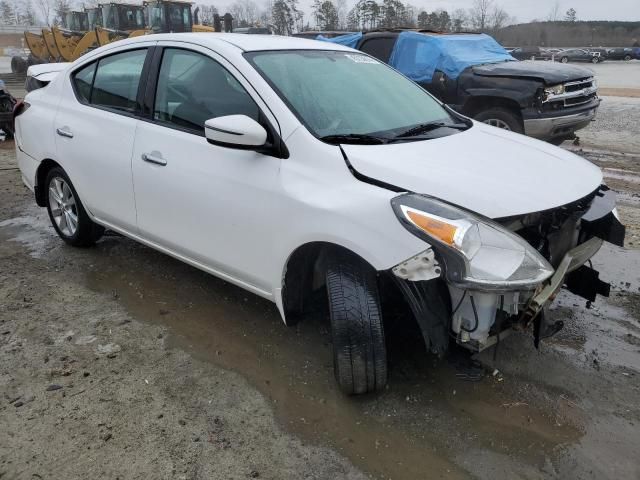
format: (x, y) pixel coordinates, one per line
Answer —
(419, 55)
(350, 40)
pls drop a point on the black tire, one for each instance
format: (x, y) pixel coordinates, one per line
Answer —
(627, 58)
(86, 232)
(595, 60)
(495, 115)
(564, 59)
(359, 350)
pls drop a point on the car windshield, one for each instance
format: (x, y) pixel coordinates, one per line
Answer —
(342, 93)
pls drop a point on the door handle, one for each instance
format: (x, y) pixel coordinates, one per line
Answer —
(151, 158)
(64, 132)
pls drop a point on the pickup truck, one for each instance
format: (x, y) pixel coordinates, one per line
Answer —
(477, 77)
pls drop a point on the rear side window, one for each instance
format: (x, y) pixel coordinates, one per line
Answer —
(379, 47)
(112, 81)
(116, 81)
(83, 79)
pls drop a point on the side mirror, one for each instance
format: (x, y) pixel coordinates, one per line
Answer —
(235, 131)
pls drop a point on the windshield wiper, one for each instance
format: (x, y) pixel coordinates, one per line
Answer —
(427, 127)
(354, 138)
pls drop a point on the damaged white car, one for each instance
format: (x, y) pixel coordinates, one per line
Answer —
(289, 166)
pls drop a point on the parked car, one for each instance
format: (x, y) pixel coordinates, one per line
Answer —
(7, 104)
(290, 167)
(253, 30)
(313, 34)
(475, 76)
(625, 54)
(578, 55)
(529, 53)
(603, 52)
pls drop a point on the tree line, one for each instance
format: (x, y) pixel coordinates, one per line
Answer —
(286, 17)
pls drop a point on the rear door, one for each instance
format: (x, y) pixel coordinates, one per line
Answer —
(95, 129)
(208, 204)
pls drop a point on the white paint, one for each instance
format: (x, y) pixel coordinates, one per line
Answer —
(240, 214)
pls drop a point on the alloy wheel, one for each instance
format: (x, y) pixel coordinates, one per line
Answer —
(496, 122)
(63, 206)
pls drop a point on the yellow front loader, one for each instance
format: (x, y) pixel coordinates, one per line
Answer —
(120, 20)
(37, 46)
(78, 37)
(50, 43)
(169, 16)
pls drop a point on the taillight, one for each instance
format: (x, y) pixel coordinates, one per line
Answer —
(20, 107)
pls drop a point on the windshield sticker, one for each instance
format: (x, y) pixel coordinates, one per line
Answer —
(360, 58)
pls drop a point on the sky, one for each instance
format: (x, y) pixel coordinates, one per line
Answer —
(523, 10)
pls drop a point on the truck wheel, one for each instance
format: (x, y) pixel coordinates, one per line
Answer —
(564, 59)
(66, 212)
(359, 350)
(502, 118)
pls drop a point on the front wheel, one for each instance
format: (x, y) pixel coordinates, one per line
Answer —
(359, 350)
(564, 59)
(67, 214)
(500, 117)
(595, 60)
(627, 58)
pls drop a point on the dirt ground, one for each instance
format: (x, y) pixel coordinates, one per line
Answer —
(120, 362)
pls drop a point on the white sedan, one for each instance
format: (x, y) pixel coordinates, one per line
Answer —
(289, 166)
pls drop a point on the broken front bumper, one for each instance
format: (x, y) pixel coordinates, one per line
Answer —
(477, 318)
(561, 125)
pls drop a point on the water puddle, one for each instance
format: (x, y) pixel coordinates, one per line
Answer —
(419, 427)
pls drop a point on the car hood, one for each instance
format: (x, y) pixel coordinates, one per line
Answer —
(550, 73)
(489, 171)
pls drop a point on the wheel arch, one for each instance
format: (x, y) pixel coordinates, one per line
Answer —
(476, 104)
(41, 175)
(303, 274)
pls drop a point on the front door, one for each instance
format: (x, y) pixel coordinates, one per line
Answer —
(209, 204)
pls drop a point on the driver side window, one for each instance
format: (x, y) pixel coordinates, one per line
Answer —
(193, 88)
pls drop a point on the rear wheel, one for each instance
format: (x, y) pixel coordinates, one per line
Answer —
(595, 60)
(501, 118)
(564, 59)
(359, 350)
(627, 58)
(67, 214)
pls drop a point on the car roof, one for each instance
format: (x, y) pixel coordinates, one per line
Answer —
(247, 43)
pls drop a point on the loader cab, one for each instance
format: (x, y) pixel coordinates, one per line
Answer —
(123, 17)
(168, 17)
(94, 17)
(76, 21)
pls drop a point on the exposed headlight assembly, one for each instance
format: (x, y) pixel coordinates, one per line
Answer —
(554, 90)
(477, 252)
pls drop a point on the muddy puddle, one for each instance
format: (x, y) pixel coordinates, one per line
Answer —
(423, 425)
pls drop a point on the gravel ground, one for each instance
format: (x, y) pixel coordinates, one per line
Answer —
(120, 362)
(616, 128)
(134, 365)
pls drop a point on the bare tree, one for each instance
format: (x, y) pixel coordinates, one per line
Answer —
(554, 13)
(498, 19)
(479, 14)
(459, 20)
(44, 8)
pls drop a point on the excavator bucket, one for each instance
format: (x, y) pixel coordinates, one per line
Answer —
(108, 35)
(66, 42)
(51, 44)
(37, 46)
